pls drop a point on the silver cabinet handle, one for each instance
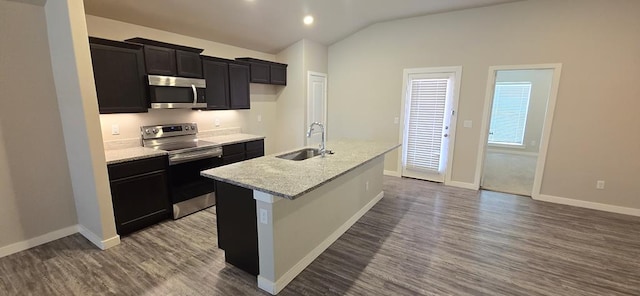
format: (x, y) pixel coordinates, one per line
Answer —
(195, 94)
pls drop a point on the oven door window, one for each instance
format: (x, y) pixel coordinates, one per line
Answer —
(186, 182)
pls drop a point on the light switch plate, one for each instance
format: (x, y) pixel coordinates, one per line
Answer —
(264, 216)
(396, 120)
(468, 123)
(115, 129)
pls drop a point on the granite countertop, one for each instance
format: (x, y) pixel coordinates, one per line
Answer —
(291, 179)
(128, 153)
(231, 139)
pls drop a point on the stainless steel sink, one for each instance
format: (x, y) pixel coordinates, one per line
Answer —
(301, 154)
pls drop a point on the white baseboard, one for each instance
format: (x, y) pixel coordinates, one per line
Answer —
(462, 185)
(36, 241)
(588, 205)
(392, 173)
(284, 280)
(93, 238)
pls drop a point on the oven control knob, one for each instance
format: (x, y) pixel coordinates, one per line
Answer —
(148, 131)
(155, 131)
(193, 127)
(186, 127)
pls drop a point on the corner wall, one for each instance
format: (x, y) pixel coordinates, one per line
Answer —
(302, 57)
(595, 134)
(36, 197)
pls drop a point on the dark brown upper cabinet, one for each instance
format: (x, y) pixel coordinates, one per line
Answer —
(239, 86)
(118, 71)
(160, 60)
(266, 72)
(227, 84)
(170, 59)
(216, 73)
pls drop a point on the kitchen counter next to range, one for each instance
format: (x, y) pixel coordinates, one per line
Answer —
(128, 154)
(132, 151)
(292, 179)
(231, 139)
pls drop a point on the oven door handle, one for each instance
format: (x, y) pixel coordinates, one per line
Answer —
(191, 157)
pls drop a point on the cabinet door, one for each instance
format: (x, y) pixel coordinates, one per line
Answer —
(239, 86)
(229, 159)
(216, 73)
(140, 201)
(188, 64)
(260, 73)
(237, 226)
(120, 79)
(254, 149)
(278, 74)
(160, 60)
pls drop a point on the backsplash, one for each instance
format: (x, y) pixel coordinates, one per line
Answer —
(137, 142)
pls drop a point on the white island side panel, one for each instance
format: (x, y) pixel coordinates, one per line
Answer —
(298, 231)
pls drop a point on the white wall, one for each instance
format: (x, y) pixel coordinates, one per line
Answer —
(263, 97)
(595, 135)
(78, 107)
(303, 56)
(35, 187)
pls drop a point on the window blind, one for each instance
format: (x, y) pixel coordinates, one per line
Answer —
(509, 113)
(425, 124)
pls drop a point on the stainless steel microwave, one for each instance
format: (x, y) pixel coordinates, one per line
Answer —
(168, 92)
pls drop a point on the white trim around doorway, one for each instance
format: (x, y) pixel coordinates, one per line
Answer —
(546, 130)
(457, 71)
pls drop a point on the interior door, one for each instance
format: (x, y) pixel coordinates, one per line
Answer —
(427, 126)
(316, 104)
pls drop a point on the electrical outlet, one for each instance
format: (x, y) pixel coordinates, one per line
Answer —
(259, 118)
(217, 122)
(264, 216)
(600, 184)
(468, 123)
(366, 186)
(115, 129)
(396, 120)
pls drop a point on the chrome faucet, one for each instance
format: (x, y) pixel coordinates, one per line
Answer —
(322, 147)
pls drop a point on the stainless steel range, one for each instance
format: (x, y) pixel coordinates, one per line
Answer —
(190, 192)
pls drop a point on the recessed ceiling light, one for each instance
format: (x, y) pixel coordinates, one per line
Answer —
(308, 20)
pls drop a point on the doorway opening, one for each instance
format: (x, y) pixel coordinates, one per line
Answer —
(430, 100)
(517, 127)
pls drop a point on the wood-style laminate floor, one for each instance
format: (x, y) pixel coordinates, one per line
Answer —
(420, 239)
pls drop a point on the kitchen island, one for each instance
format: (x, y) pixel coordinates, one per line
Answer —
(275, 216)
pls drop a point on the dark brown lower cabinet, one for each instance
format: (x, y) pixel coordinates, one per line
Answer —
(242, 151)
(140, 193)
(237, 228)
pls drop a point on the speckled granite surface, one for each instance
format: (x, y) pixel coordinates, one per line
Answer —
(114, 154)
(231, 139)
(291, 179)
(129, 154)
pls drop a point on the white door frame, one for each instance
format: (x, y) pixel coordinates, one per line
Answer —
(457, 70)
(546, 128)
(309, 95)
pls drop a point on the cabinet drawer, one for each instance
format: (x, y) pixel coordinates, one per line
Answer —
(255, 145)
(232, 159)
(137, 167)
(233, 149)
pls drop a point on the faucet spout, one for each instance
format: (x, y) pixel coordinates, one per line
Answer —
(322, 146)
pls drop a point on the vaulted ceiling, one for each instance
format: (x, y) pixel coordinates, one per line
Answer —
(269, 25)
